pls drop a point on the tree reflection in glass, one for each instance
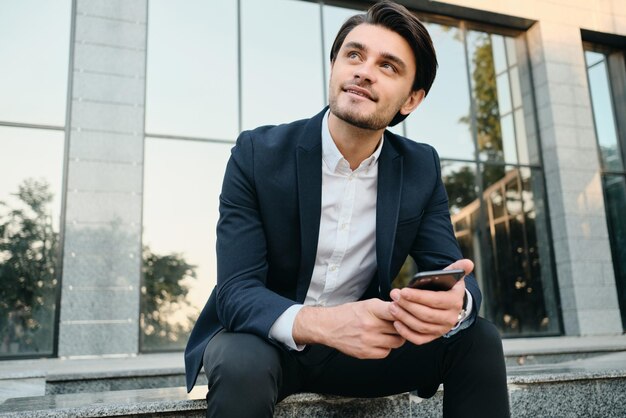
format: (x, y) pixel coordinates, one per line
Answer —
(28, 259)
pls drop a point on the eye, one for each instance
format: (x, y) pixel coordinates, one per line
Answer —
(353, 55)
(390, 67)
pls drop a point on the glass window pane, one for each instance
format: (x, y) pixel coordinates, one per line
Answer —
(181, 189)
(34, 46)
(615, 198)
(460, 181)
(523, 151)
(519, 280)
(516, 90)
(508, 139)
(511, 50)
(333, 17)
(504, 93)
(592, 57)
(499, 53)
(30, 206)
(443, 119)
(281, 61)
(485, 96)
(191, 85)
(604, 117)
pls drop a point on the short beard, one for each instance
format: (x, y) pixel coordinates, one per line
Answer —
(374, 122)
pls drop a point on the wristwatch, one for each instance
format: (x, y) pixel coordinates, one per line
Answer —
(463, 313)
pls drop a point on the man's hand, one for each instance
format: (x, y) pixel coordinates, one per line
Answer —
(424, 315)
(361, 329)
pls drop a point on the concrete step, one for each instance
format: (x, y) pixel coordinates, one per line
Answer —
(97, 374)
(586, 381)
(564, 392)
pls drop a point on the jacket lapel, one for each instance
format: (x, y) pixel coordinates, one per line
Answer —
(387, 209)
(309, 173)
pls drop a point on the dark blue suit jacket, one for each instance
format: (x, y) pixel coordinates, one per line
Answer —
(269, 224)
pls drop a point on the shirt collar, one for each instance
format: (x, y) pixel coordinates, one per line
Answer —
(331, 154)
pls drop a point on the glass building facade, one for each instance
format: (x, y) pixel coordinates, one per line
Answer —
(214, 69)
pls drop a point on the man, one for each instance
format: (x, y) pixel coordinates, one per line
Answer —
(316, 219)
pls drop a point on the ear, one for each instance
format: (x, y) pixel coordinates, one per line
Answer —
(414, 100)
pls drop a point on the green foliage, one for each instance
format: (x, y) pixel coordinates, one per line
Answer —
(165, 313)
(28, 255)
(489, 134)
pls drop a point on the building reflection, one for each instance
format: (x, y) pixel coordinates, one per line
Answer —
(512, 251)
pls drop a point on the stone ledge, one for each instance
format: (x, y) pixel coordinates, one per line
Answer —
(590, 395)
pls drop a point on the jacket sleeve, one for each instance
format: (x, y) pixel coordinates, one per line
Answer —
(435, 245)
(244, 304)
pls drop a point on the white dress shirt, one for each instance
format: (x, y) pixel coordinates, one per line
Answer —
(346, 251)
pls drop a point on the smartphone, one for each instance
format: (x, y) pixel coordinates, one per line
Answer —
(436, 280)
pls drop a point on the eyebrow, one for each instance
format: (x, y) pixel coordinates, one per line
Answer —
(387, 55)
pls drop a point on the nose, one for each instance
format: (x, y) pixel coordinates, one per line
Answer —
(365, 72)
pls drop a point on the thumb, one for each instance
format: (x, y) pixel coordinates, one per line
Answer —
(463, 264)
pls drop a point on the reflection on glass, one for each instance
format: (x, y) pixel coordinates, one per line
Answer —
(282, 63)
(603, 114)
(520, 292)
(615, 198)
(333, 17)
(191, 85)
(485, 95)
(30, 191)
(33, 86)
(182, 181)
(460, 182)
(443, 119)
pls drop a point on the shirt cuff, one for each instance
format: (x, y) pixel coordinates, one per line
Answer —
(281, 330)
(462, 324)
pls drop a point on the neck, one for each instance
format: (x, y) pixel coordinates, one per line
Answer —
(355, 144)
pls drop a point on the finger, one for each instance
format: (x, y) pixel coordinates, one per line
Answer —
(442, 324)
(391, 341)
(464, 264)
(449, 299)
(423, 313)
(380, 310)
(412, 336)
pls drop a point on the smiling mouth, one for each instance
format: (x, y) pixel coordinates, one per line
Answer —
(359, 92)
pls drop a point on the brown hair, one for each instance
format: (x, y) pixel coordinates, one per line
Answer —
(398, 19)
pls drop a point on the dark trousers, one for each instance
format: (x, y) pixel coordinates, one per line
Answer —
(248, 375)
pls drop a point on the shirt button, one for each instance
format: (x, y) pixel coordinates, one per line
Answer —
(333, 268)
(344, 226)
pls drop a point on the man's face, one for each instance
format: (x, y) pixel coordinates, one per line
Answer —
(371, 78)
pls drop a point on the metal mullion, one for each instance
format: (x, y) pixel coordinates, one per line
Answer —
(190, 138)
(34, 125)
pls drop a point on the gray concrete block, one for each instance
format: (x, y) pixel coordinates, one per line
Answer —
(109, 60)
(563, 114)
(571, 325)
(100, 303)
(600, 321)
(593, 295)
(572, 157)
(103, 207)
(96, 270)
(99, 30)
(568, 298)
(107, 117)
(584, 116)
(108, 88)
(114, 241)
(98, 338)
(578, 180)
(104, 146)
(590, 249)
(104, 176)
(131, 10)
(560, 73)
